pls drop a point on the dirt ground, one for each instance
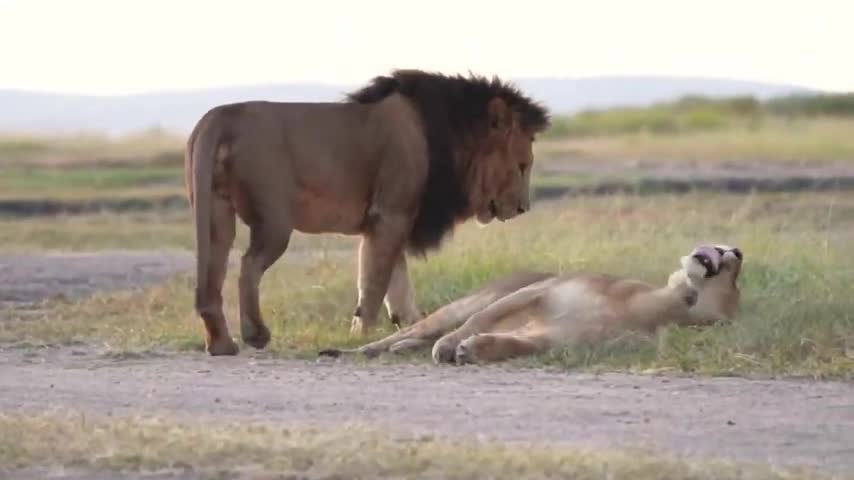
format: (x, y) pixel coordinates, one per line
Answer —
(782, 422)
(28, 278)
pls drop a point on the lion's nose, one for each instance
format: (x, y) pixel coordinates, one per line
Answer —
(520, 209)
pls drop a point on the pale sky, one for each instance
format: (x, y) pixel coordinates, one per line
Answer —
(116, 46)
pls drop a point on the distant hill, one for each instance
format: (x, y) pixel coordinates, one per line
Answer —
(22, 111)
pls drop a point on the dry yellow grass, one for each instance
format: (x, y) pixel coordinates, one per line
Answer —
(265, 451)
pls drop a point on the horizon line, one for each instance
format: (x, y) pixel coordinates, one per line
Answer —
(328, 84)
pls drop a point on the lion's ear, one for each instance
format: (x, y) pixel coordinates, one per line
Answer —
(500, 116)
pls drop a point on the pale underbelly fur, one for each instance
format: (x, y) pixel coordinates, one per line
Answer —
(573, 311)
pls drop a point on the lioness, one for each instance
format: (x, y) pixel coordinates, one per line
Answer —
(532, 312)
(400, 163)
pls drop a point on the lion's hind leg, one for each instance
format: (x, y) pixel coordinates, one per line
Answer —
(209, 301)
(268, 240)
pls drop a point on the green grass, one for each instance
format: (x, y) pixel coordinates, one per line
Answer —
(137, 181)
(812, 141)
(685, 115)
(800, 129)
(90, 181)
(227, 450)
(797, 309)
(135, 231)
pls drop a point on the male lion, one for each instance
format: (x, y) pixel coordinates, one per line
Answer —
(400, 163)
(532, 312)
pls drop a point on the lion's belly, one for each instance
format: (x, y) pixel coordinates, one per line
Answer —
(317, 213)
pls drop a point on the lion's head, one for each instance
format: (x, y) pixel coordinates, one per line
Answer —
(479, 135)
(501, 185)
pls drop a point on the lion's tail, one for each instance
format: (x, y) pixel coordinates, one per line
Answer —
(199, 159)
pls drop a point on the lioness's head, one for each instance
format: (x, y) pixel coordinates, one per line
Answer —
(702, 263)
(719, 264)
(504, 164)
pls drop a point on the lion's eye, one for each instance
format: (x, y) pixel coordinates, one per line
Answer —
(522, 168)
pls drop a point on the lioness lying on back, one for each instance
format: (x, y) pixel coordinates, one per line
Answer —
(531, 312)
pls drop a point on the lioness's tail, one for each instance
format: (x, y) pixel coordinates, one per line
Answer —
(199, 161)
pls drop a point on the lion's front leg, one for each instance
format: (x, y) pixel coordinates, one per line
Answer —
(378, 252)
(400, 297)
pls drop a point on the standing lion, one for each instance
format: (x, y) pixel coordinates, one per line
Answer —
(400, 163)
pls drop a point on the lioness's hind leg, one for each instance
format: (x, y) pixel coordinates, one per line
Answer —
(218, 340)
(408, 345)
(514, 304)
(494, 347)
(267, 242)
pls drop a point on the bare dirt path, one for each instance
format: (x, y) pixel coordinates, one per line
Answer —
(28, 278)
(782, 422)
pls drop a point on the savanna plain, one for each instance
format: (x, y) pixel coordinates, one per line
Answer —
(104, 374)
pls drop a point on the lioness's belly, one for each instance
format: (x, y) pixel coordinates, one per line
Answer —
(575, 301)
(577, 311)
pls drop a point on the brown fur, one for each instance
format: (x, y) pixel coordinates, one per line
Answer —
(400, 163)
(531, 312)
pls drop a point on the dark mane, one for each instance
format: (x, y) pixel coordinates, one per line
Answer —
(452, 108)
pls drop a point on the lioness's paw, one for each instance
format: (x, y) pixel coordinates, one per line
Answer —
(694, 270)
(444, 352)
(465, 353)
(690, 297)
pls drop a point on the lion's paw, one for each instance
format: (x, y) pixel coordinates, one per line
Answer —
(255, 336)
(357, 327)
(224, 345)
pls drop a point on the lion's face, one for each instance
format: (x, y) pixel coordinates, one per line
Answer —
(505, 167)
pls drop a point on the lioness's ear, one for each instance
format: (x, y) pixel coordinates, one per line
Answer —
(500, 116)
